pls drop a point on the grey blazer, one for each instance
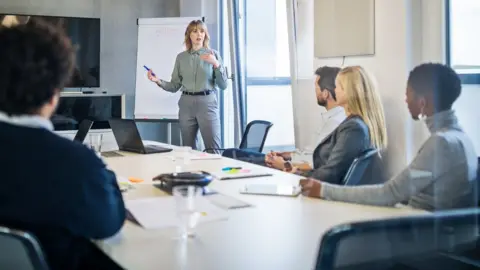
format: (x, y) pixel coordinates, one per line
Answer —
(334, 155)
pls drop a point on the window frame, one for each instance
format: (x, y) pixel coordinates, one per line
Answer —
(239, 70)
(468, 78)
(222, 54)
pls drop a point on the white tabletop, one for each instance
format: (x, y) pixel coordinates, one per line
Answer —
(277, 233)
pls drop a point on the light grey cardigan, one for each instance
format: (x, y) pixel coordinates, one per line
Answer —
(441, 176)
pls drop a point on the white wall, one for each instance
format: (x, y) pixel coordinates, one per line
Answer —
(407, 33)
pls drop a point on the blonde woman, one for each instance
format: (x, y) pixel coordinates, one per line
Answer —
(364, 129)
(198, 73)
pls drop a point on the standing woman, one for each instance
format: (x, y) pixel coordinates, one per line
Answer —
(198, 73)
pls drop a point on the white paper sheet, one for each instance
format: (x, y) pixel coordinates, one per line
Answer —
(227, 202)
(160, 212)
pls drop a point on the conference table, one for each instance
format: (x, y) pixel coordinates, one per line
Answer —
(275, 233)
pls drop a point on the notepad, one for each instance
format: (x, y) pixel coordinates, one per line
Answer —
(204, 156)
(241, 173)
(123, 183)
(160, 212)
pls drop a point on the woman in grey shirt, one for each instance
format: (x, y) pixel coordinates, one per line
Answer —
(443, 175)
(198, 73)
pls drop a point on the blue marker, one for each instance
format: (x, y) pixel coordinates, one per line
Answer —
(153, 74)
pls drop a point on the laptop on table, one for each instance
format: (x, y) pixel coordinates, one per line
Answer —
(129, 140)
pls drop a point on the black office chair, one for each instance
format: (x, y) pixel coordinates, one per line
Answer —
(472, 254)
(83, 130)
(366, 169)
(413, 243)
(20, 251)
(253, 139)
(477, 184)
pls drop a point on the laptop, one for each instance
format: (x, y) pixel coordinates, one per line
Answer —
(129, 140)
(83, 130)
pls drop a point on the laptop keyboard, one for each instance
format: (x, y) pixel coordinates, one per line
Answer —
(111, 154)
(154, 148)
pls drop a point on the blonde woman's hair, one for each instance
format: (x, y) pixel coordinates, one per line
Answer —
(364, 100)
(190, 28)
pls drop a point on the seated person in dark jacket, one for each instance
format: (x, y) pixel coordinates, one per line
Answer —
(57, 189)
(364, 129)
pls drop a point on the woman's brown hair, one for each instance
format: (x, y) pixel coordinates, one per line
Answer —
(196, 24)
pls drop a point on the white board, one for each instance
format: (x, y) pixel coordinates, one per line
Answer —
(159, 42)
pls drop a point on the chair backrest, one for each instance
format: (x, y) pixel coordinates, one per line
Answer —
(477, 184)
(20, 251)
(358, 168)
(247, 156)
(255, 135)
(83, 130)
(401, 243)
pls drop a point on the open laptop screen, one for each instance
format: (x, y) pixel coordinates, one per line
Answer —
(127, 135)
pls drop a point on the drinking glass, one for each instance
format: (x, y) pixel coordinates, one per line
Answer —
(186, 197)
(96, 142)
(182, 158)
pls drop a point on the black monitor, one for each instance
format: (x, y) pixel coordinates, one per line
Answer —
(75, 108)
(85, 36)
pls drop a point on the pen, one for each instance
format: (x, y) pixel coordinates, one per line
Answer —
(153, 74)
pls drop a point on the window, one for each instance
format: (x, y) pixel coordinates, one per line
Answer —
(463, 41)
(266, 42)
(267, 60)
(265, 64)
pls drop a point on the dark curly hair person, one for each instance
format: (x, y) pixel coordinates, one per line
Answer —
(36, 62)
(62, 193)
